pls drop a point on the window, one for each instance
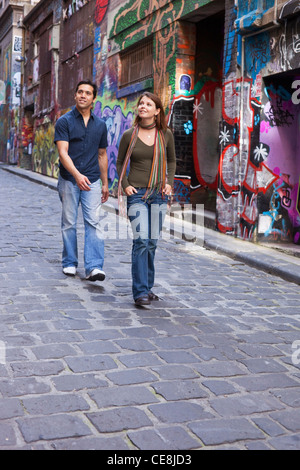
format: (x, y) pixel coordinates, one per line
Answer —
(42, 63)
(137, 64)
(77, 53)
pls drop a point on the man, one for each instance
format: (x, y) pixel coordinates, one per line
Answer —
(81, 139)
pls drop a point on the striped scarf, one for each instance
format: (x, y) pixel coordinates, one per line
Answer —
(157, 179)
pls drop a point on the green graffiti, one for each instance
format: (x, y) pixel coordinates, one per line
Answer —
(45, 155)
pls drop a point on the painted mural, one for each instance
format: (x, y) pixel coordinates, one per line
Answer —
(118, 119)
(258, 188)
(279, 130)
(45, 155)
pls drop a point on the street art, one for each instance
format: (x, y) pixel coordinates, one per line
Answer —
(279, 128)
(257, 54)
(100, 10)
(2, 92)
(74, 6)
(116, 122)
(242, 172)
(45, 155)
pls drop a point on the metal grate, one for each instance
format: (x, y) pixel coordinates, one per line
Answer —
(137, 64)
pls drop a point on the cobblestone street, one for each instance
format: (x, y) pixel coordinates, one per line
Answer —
(212, 365)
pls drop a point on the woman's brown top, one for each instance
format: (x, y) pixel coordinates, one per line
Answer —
(141, 160)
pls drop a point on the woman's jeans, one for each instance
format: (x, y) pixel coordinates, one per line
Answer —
(71, 196)
(146, 219)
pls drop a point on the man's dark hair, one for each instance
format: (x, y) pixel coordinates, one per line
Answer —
(88, 82)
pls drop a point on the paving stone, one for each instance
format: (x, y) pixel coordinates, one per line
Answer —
(10, 408)
(99, 347)
(119, 419)
(41, 368)
(265, 381)
(179, 390)
(7, 435)
(290, 419)
(91, 443)
(135, 344)
(71, 324)
(291, 442)
(134, 376)
(179, 412)
(68, 383)
(219, 369)
(220, 387)
(139, 359)
(269, 426)
(174, 438)
(260, 366)
(209, 353)
(257, 445)
(289, 397)
(259, 350)
(177, 357)
(126, 395)
(53, 351)
(176, 342)
(141, 332)
(221, 431)
(170, 372)
(102, 334)
(90, 363)
(52, 427)
(19, 387)
(59, 337)
(244, 405)
(52, 404)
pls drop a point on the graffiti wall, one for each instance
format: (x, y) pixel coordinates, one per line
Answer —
(117, 118)
(5, 104)
(279, 217)
(258, 189)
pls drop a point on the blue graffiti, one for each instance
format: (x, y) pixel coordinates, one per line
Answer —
(275, 204)
(116, 124)
(188, 127)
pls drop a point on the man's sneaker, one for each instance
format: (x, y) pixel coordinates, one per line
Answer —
(96, 275)
(69, 271)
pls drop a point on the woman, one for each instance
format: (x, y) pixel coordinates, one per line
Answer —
(149, 146)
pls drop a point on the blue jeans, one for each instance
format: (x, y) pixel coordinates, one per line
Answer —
(146, 219)
(71, 196)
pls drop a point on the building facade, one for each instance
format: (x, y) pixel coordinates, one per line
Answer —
(228, 74)
(11, 75)
(258, 191)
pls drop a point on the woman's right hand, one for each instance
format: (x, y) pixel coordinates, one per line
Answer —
(130, 190)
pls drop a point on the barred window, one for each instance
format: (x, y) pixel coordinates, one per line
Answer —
(136, 64)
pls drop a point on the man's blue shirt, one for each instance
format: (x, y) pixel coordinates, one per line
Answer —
(84, 142)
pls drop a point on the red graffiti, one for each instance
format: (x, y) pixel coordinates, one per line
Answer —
(100, 10)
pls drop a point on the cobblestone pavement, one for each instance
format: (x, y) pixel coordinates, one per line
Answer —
(212, 365)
